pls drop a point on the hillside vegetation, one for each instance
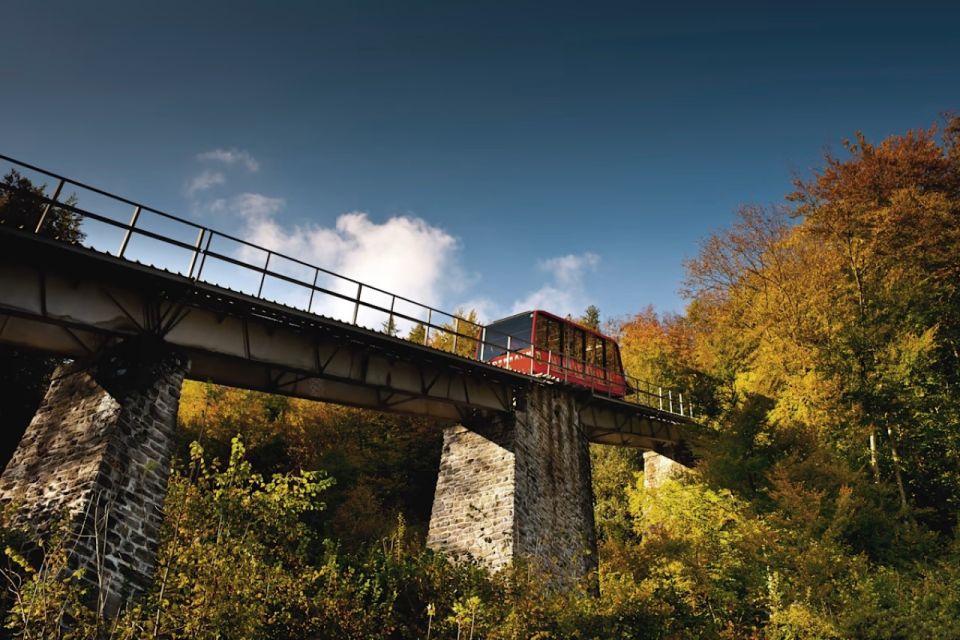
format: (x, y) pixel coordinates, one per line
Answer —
(821, 344)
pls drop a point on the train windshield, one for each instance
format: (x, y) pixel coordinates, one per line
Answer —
(516, 328)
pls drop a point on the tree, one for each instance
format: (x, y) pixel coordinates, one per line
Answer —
(389, 327)
(233, 562)
(22, 207)
(385, 464)
(460, 334)
(591, 318)
(842, 312)
(896, 289)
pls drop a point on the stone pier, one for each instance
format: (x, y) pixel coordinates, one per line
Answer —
(658, 468)
(518, 488)
(96, 458)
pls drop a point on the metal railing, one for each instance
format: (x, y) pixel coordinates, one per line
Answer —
(324, 292)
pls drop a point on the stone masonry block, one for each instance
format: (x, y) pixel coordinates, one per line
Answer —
(96, 458)
(519, 488)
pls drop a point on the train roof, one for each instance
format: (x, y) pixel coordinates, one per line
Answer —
(555, 317)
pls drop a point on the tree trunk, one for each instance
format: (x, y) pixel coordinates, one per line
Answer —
(896, 470)
(873, 456)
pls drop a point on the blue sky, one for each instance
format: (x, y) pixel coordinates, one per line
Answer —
(494, 154)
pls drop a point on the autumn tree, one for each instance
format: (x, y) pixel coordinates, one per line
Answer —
(384, 464)
(459, 334)
(591, 318)
(840, 313)
(889, 215)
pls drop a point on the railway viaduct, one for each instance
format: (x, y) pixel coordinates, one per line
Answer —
(515, 471)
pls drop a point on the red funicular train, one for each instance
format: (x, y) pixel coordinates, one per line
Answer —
(540, 343)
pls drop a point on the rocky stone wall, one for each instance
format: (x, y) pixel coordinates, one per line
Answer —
(658, 468)
(473, 507)
(554, 523)
(96, 459)
(519, 488)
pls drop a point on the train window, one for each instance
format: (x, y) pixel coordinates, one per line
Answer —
(548, 334)
(516, 328)
(594, 350)
(573, 342)
(612, 357)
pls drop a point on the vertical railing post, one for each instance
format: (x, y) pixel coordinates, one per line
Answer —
(46, 207)
(426, 329)
(670, 395)
(126, 234)
(356, 306)
(196, 251)
(456, 332)
(390, 328)
(681, 403)
(506, 360)
(263, 277)
(206, 250)
(483, 342)
(313, 288)
(660, 397)
(533, 354)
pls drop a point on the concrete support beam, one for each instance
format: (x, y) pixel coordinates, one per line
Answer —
(96, 458)
(519, 487)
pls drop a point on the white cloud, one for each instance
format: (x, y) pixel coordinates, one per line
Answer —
(565, 292)
(569, 270)
(231, 157)
(249, 206)
(206, 179)
(209, 178)
(404, 255)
